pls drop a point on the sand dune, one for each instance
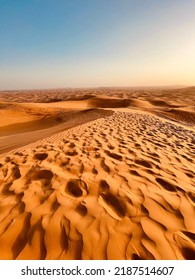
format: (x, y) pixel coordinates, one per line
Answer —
(20, 134)
(187, 117)
(112, 183)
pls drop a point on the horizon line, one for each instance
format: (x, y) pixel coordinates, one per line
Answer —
(98, 87)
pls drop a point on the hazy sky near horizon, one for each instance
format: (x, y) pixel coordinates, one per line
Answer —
(80, 43)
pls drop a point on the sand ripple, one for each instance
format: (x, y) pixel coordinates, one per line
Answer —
(120, 187)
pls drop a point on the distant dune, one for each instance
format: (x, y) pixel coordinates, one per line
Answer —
(106, 173)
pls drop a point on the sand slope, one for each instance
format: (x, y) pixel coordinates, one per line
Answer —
(109, 176)
(115, 188)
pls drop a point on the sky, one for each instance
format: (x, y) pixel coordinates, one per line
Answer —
(92, 43)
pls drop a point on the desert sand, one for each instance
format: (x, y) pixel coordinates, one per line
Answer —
(106, 173)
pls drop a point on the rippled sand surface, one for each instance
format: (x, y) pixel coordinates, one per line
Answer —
(98, 174)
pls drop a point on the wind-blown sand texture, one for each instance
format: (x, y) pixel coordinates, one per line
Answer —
(103, 173)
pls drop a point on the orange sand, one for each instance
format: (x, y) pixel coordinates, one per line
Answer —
(97, 174)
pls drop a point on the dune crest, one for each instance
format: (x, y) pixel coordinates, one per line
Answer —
(107, 189)
(97, 174)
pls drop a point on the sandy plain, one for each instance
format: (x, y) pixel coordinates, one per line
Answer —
(105, 173)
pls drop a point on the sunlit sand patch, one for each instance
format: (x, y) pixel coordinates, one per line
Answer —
(118, 185)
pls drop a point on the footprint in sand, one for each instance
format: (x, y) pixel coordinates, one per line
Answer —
(112, 205)
(114, 155)
(81, 209)
(41, 156)
(143, 163)
(76, 188)
(166, 185)
(71, 153)
(44, 176)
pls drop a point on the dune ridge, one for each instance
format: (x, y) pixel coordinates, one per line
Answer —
(110, 172)
(118, 187)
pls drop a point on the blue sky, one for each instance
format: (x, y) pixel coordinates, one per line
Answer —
(81, 43)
